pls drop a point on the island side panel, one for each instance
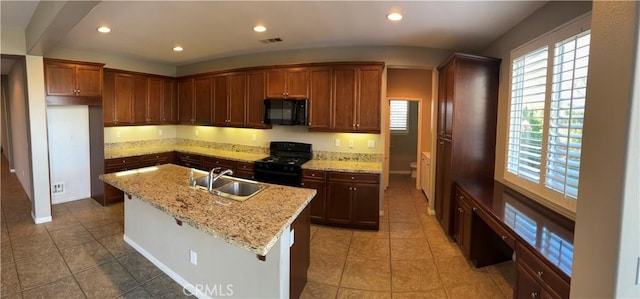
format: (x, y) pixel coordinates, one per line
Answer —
(222, 270)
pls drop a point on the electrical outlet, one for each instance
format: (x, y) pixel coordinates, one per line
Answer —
(117, 134)
(193, 257)
(337, 142)
(159, 132)
(371, 144)
(57, 188)
(197, 132)
(253, 138)
(350, 143)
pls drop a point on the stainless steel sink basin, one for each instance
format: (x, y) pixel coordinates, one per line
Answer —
(229, 187)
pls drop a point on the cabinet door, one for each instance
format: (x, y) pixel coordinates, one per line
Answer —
(255, 99)
(220, 100)
(442, 102)
(368, 107)
(140, 91)
(366, 201)
(297, 83)
(237, 99)
(89, 80)
(319, 202)
(155, 100)
(169, 101)
(449, 88)
(462, 226)
(185, 101)
(276, 83)
(108, 99)
(123, 99)
(339, 204)
(443, 201)
(344, 94)
(60, 79)
(203, 100)
(320, 100)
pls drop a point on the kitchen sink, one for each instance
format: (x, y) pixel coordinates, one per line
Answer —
(229, 187)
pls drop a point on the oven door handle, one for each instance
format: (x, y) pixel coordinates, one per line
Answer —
(274, 172)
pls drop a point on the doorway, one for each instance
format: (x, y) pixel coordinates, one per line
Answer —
(403, 136)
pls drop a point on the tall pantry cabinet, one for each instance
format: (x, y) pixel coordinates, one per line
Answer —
(467, 111)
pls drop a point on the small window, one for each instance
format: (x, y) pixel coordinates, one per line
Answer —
(398, 116)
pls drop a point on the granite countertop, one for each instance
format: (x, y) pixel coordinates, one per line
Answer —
(230, 155)
(255, 224)
(348, 166)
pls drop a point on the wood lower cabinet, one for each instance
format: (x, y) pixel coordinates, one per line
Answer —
(316, 179)
(157, 159)
(244, 170)
(353, 200)
(209, 163)
(73, 82)
(535, 279)
(463, 223)
(189, 160)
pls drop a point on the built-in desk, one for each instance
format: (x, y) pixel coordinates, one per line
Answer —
(493, 221)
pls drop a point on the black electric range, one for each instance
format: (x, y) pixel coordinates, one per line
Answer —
(283, 166)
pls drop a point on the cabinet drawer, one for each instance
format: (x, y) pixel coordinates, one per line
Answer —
(211, 162)
(541, 272)
(157, 159)
(121, 161)
(183, 157)
(507, 236)
(314, 174)
(245, 166)
(353, 177)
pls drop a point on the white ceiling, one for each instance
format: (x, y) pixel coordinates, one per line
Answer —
(213, 29)
(17, 14)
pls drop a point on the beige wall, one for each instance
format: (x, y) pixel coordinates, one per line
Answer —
(4, 122)
(18, 98)
(13, 42)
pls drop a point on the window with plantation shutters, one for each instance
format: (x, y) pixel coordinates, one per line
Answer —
(398, 116)
(546, 112)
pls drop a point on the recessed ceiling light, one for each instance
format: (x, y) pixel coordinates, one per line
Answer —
(104, 29)
(259, 28)
(394, 17)
(177, 49)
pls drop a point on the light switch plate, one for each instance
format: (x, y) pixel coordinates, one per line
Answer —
(193, 257)
(350, 143)
(253, 137)
(197, 132)
(159, 132)
(337, 142)
(371, 144)
(117, 134)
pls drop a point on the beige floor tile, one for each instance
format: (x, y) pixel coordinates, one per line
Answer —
(442, 247)
(381, 233)
(141, 268)
(34, 244)
(12, 296)
(456, 271)
(138, 293)
(65, 288)
(9, 282)
(406, 230)
(345, 293)
(41, 269)
(417, 275)
(106, 230)
(164, 287)
(432, 294)
(325, 269)
(312, 231)
(410, 249)
(108, 280)
(479, 290)
(86, 255)
(363, 274)
(314, 290)
(71, 237)
(6, 252)
(62, 222)
(330, 241)
(504, 275)
(116, 245)
(369, 248)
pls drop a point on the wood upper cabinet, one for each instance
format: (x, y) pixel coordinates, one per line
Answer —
(118, 99)
(140, 97)
(288, 83)
(220, 100)
(155, 100)
(169, 101)
(66, 78)
(356, 98)
(237, 88)
(344, 95)
(203, 92)
(256, 93)
(185, 101)
(319, 108)
(445, 100)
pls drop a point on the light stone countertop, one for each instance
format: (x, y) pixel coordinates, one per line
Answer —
(230, 155)
(344, 166)
(255, 224)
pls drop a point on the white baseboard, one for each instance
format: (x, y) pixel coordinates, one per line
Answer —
(41, 219)
(56, 201)
(431, 211)
(399, 172)
(175, 276)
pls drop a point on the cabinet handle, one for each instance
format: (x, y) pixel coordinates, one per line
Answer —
(301, 184)
(352, 178)
(357, 125)
(350, 188)
(540, 273)
(441, 142)
(534, 294)
(474, 209)
(460, 210)
(178, 221)
(313, 174)
(78, 91)
(504, 238)
(355, 189)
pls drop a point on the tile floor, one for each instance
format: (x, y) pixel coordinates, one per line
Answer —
(81, 254)
(409, 257)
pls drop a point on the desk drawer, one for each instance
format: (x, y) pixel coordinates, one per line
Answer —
(506, 236)
(541, 272)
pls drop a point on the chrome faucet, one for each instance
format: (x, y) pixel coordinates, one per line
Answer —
(213, 178)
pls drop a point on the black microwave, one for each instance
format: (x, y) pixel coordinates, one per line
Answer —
(290, 112)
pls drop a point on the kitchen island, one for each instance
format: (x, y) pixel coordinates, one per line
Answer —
(213, 246)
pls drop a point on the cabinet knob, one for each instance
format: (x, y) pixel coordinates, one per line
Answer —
(357, 125)
(352, 178)
(504, 238)
(474, 209)
(460, 210)
(350, 188)
(540, 273)
(301, 184)
(534, 294)
(460, 196)
(355, 189)
(313, 174)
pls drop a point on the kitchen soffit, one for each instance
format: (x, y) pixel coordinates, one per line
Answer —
(215, 29)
